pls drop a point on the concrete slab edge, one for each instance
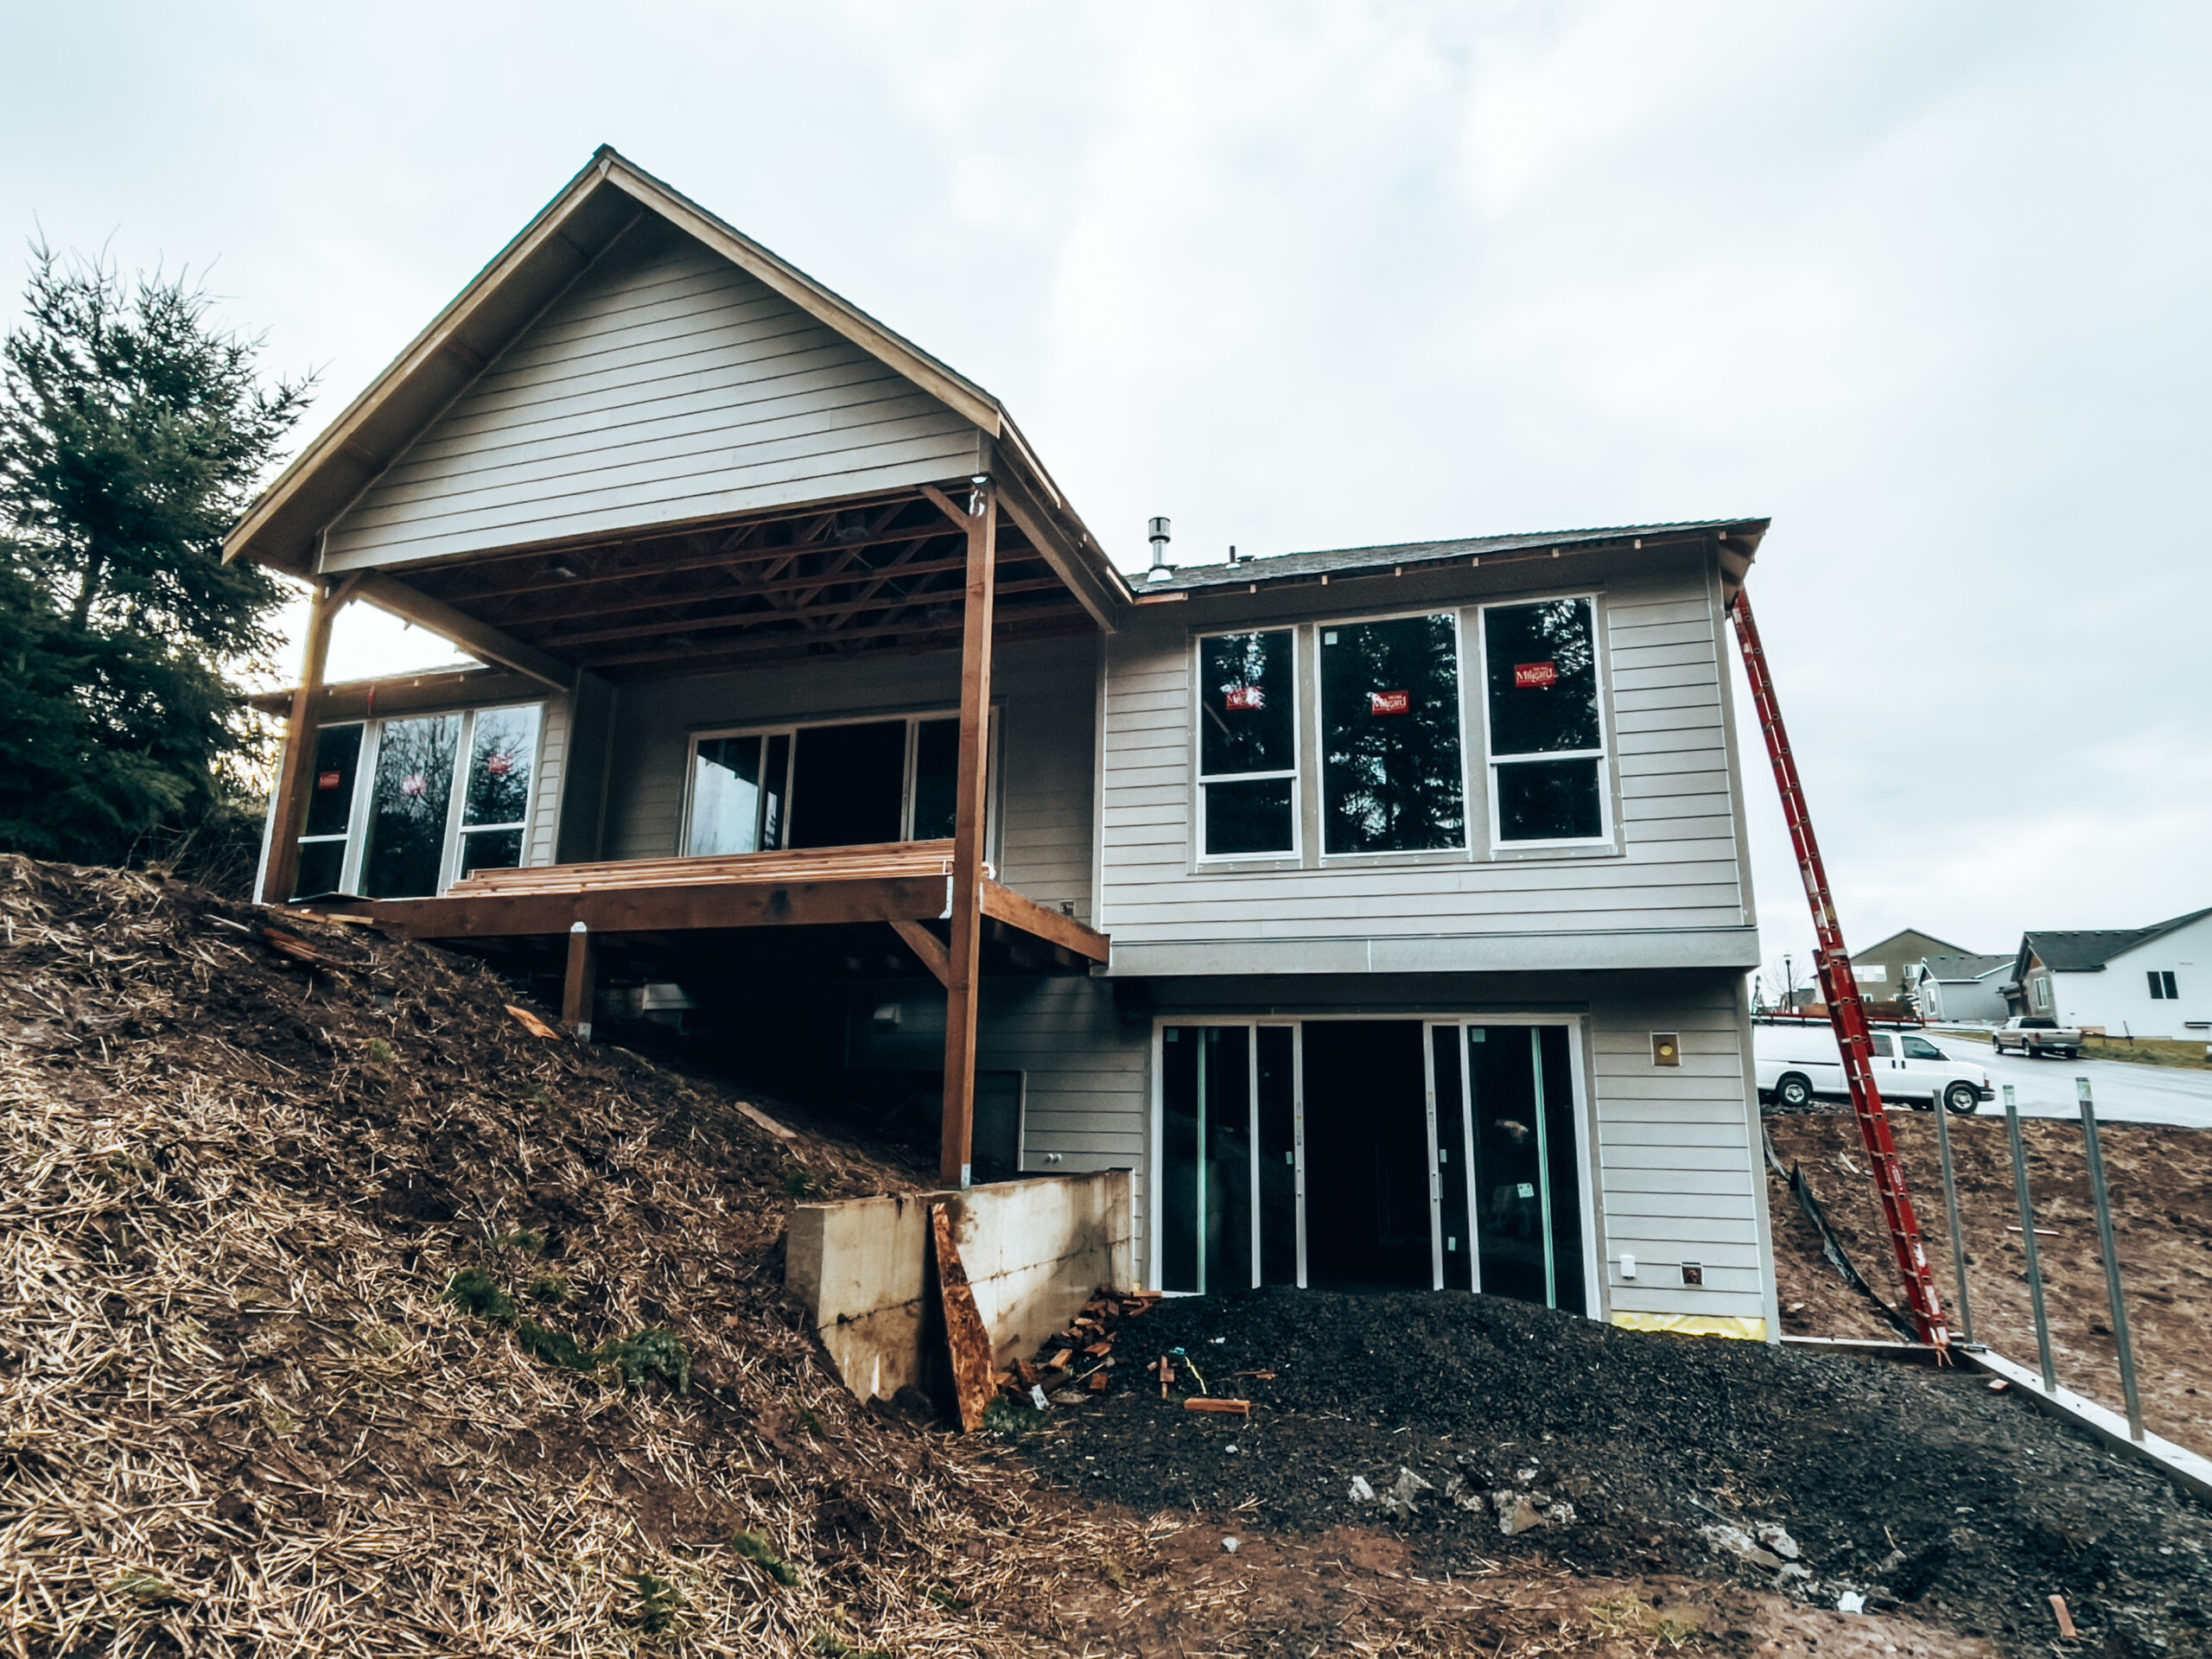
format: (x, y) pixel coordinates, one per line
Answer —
(2192, 1473)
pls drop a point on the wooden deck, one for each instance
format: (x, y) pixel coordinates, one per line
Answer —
(903, 885)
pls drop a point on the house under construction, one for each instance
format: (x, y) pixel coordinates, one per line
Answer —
(1384, 909)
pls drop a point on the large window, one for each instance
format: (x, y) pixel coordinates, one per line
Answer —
(1390, 754)
(833, 786)
(1247, 744)
(1546, 734)
(402, 808)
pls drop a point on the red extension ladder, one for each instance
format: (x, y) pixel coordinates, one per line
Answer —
(1846, 1008)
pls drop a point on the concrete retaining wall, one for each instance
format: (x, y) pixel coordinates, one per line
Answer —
(1034, 1250)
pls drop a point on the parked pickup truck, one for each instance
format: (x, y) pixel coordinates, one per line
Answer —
(2036, 1035)
(1798, 1063)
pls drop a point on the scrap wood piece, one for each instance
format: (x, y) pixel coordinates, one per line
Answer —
(2066, 1630)
(297, 948)
(1100, 1349)
(530, 1023)
(1264, 1376)
(964, 1330)
(766, 1122)
(1231, 1407)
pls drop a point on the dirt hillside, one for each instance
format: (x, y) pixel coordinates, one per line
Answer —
(341, 1314)
(2161, 1181)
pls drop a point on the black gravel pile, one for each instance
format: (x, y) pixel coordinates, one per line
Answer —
(1484, 1428)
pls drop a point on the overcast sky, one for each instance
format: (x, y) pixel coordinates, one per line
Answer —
(1928, 284)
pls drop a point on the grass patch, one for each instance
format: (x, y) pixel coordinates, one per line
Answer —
(1010, 1419)
(2151, 1051)
(755, 1548)
(379, 1051)
(476, 1292)
(658, 1602)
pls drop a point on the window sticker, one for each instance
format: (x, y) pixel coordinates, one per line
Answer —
(1244, 699)
(1534, 676)
(1390, 702)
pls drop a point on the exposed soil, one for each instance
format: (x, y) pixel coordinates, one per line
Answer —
(339, 1313)
(2160, 1180)
(1620, 1452)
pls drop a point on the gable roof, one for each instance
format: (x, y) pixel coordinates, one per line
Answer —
(1739, 539)
(280, 529)
(1907, 935)
(2088, 951)
(1963, 967)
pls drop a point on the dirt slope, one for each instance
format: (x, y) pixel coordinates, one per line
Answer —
(239, 1411)
(2161, 1184)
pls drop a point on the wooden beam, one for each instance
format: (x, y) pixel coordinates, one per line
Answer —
(927, 946)
(963, 984)
(478, 638)
(1024, 914)
(835, 612)
(581, 983)
(289, 802)
(672, 908)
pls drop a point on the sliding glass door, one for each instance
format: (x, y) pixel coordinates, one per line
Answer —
(1404, 1153)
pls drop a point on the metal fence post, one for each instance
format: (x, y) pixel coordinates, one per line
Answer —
(1951, 1201)
(2111, 1250)
(2028, 1241)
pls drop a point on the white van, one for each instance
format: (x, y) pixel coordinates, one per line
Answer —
(1799, 1061)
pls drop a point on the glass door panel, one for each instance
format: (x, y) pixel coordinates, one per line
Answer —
(1278, 1156)
(1454, 1167)
(1528, 1177)
(1208, 1107)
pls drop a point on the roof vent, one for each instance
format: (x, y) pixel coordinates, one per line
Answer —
(1162, 570)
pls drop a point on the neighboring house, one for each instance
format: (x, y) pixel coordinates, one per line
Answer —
(1385, 909)
(1960, 988)
(2142, 982)
(1885, 970)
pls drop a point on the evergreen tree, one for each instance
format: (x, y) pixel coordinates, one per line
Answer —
(132, 434)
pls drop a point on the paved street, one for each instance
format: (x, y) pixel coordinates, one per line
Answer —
(2125, 1093)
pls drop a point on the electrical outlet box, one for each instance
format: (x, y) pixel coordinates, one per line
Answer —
(1666, 1048)
(1693, 1272)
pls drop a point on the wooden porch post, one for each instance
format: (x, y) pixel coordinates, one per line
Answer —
(294, 777)
(582, 983)
(962, 981)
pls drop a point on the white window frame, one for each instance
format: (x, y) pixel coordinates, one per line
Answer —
(1320, 631)
(1296, 850)
(364, 771)
(1602, 754)
(914, 718)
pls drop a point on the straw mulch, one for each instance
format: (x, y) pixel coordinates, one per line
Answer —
(238, 1412)
(242, 1410)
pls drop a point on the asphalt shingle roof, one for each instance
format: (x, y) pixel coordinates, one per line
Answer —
(2086, 951)
(1277, 567)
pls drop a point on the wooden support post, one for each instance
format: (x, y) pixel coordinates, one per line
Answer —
(962, 980)
(582, 982)
(294, 777)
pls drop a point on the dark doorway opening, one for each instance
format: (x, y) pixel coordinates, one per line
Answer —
(1367, 1199)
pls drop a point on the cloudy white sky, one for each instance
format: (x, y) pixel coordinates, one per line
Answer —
(1928, 284)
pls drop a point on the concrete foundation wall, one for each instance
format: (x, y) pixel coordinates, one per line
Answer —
(1034, 1250)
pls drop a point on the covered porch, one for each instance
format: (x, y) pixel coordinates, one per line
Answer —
(930, 571)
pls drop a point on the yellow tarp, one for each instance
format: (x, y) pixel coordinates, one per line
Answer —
(1695, 1324)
